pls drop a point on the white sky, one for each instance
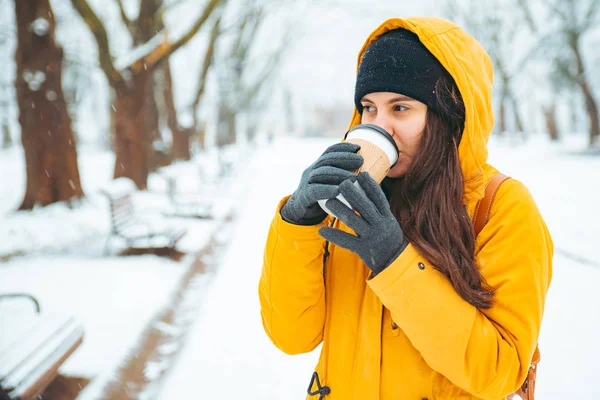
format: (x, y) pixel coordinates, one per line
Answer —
(322, 64)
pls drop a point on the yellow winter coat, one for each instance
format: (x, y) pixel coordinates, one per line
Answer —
(406, 334)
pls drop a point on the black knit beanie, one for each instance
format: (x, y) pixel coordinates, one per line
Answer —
(398, 62)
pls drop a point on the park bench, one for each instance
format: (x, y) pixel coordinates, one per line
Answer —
(32, 348)
(189, 204)
(137, 232)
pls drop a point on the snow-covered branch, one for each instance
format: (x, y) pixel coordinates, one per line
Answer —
(99, 31)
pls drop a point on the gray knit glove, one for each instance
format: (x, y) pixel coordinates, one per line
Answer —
(379, 240)
(321, 181)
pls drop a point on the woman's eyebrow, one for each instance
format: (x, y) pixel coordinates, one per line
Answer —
(392, 100)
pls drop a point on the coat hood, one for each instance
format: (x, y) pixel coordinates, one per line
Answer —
(470, 66)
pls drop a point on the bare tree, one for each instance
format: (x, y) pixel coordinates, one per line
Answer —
(130, 84)
(5, 100)
(573, 20)
(551, 124)
(209, 57)
(48, 142)
(5, 128)
(231, 72)
(495, 28)
(245, 79)
(159, 107)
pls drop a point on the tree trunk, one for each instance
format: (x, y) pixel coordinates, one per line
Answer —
(201, 135)
(592, 110)
(148, 25)
(502, 117)
(50, 151)
(6, 137)
(582, 80)
(181, 137)
(289, 112)
(181, 144)
(517, 114)
(226, 126)
(551, 125)
(251, 132)
(133, 146)
(503, 98)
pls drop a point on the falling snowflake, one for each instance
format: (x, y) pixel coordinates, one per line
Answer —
(34, 79)
(40, 26)
(51, 95)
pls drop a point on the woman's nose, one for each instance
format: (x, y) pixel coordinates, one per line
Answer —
(384, 122)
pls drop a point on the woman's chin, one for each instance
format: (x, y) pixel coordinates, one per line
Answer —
(395, 174)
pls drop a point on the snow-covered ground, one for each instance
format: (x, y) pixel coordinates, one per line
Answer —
(58, 255)
(229, 355)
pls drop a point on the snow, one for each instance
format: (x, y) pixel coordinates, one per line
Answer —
(58, 255)
(99, 292)
(119, 187)
(34, 79)
(140, 51)
(40, 26)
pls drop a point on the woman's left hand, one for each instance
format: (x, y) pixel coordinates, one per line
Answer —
(379, 240)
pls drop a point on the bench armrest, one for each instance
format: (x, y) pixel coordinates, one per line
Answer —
(15, 295)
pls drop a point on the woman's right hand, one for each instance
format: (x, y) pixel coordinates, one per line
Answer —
(320, 181)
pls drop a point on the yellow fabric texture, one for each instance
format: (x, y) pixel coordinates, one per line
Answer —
(407, 334)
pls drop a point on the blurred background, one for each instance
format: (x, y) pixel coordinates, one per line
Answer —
(144, 145)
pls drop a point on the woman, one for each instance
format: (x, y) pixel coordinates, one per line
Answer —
(409, 303)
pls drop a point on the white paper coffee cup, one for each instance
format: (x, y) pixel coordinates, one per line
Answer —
(378, 150)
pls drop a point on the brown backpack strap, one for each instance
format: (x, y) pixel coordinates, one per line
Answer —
(482, 210)
(481, 217)
(527, 389)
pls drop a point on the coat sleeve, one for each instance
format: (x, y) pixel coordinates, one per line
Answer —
(291, 288)
(485, 352)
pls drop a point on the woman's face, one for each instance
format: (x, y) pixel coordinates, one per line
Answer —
(402, 117)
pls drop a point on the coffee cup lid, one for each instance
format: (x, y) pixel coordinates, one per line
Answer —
(383, 133)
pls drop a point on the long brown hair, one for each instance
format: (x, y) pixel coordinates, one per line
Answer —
(427, 201)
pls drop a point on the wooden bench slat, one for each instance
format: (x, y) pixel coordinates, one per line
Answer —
(29, 344)
(39, 379)
(125, 222)
(121, 210)
(43, 352)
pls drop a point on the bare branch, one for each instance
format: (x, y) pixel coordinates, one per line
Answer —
(148, 22)
(208, 60)
(524, 6)
(556, 9)
(165, 48)
(128, 23)
(97, 28)
(563, 69)
(591, 14)
(268, 70)
(210, 8)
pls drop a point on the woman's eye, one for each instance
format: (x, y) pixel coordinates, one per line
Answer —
(368, 108)
(400, 108)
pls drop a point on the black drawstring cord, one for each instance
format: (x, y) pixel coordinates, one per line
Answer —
(321, 390)
(326, 254)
